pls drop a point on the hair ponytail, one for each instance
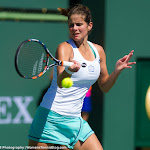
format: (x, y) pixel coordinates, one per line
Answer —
(63, 11)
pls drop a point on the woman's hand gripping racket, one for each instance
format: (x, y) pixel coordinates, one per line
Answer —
(32, 59)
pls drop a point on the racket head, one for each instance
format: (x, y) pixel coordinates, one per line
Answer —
(31, 59)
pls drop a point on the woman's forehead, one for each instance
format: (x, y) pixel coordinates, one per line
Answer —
(76, 17)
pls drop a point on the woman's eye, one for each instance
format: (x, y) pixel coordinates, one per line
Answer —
(79, 24)
(71, 25)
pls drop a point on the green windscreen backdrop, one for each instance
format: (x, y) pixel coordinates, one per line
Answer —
(34, 4)
(20, 97)
(126, 28)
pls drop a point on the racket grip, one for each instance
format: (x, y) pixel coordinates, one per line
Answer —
(67, 63)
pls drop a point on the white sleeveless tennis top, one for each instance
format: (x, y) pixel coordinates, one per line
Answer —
(69, 101)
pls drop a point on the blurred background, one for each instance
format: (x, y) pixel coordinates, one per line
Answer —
(118, 118)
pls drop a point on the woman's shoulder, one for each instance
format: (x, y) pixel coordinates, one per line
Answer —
(64, 45)
(99, 48)
(64, 48)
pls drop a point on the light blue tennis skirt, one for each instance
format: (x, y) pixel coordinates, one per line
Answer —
(51, 127)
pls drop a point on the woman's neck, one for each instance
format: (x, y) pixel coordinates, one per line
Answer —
(81, 43)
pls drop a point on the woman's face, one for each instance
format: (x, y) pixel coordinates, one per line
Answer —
(78, 28)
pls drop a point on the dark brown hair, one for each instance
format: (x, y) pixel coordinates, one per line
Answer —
(77, 9)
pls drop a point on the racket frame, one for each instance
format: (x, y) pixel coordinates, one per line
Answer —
(48, 54)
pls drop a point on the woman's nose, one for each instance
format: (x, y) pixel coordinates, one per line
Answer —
(75, 27)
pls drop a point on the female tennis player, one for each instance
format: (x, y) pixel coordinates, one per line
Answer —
(58, 118)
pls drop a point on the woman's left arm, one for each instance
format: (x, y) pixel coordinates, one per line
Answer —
(105, 80)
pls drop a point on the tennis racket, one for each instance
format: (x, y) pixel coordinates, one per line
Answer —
(32, 59)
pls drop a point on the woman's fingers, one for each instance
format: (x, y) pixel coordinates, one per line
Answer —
(131, 63)
(123, 58)
(129, 56)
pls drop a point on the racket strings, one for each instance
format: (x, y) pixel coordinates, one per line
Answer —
(32, 59)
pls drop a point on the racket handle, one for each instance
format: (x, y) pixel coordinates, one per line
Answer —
(67, 63)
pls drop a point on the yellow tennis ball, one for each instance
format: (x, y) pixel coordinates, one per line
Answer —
(66, 82)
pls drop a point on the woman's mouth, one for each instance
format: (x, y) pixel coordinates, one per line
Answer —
(76, 34)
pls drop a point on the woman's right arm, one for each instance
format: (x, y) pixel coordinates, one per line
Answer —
(65, 53)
